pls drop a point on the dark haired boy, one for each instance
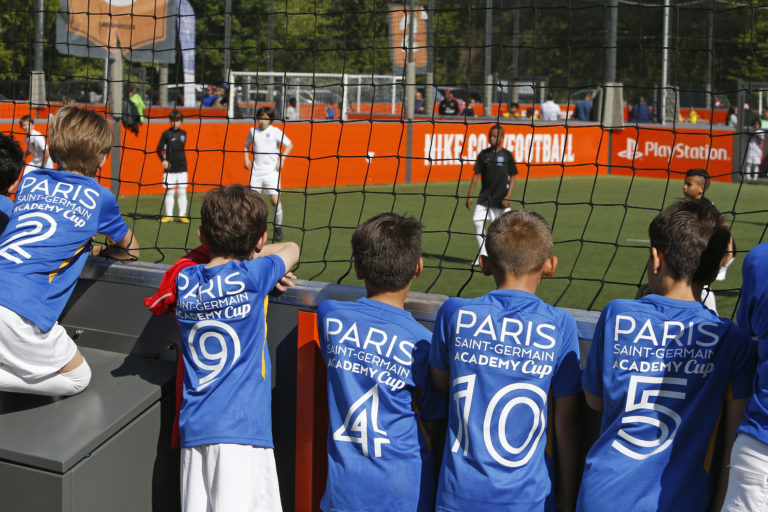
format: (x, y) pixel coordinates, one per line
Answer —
(502, 357)
(11, 164)
(43, 250)
(663, 369)
(225, 426)
(170, 150)
(265, 150)
(696, 183)
(378, 379)
(496, 166)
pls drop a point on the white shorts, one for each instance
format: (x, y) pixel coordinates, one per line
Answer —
(175, 179)
(487, 214)
(268, 182)
(30, 353)
(747, 476)
(229, 477)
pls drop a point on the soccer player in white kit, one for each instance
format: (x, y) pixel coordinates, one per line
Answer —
(265, 150)
(36, 146)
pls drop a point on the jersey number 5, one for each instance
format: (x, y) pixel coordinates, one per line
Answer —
(649, 413)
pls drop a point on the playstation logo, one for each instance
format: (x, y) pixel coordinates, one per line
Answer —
(631, 152)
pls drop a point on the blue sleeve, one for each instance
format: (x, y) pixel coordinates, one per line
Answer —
(432, 402)
(592, 379)
(111, 222)
(266, 271)
(753, 308)
(567, 378)
(744, 363)
(323, 310)
(438, 352)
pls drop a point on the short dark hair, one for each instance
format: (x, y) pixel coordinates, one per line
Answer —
(265, 110)
(386, 249)
(233, 219)
(692, 238)
(519, 242)
(27, 118)
(499, 129)
(700, 173)
(176, 115)
(11, 162)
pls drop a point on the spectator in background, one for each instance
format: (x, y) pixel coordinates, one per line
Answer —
(640, 112)
(449, 106)
(693, 116)
(135, 98)
(418, 103)
(513, 112)
(550, 111)
(210, 98)
(291, 112)
(732, 118)
(330, 111)
(223, 94)
(469, 110)
(584, 108)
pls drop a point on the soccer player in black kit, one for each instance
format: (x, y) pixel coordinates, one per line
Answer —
(170, 149)
(497, 168)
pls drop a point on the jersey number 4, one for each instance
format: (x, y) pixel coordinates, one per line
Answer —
(363, 419)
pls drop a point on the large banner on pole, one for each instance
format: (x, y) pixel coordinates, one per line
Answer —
(143, 30)
(400, 19)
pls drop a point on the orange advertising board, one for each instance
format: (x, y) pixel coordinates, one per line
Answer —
(648, 151)
(363, 152)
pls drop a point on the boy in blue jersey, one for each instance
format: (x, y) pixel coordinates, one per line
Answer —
(225, 422)
(11, 164)
(43, 250)
(502, 356)
(748, 475)
(663, 370)
(378, 379)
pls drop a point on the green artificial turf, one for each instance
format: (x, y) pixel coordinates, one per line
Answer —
(600, 228)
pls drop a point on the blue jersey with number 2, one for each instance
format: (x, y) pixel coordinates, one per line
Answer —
(47, 240)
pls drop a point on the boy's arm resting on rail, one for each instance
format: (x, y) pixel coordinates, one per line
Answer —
(289, 252)
(567, 440)
(733, 413)
(126, 249)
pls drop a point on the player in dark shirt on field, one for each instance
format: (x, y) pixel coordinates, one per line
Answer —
(497, 168)
(170, 149)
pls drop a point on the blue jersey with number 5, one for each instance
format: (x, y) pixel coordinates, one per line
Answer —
(227, 391)
(47, 240)
(663, 368)
(505, 352)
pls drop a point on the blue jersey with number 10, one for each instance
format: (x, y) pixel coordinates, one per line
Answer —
(44, 247)
(505, 352)
(663, 368)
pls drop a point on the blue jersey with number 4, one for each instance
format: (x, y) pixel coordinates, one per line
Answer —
(505, 352)
(227, 393)
(377, 358)
(44, 247)
(663, 368)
